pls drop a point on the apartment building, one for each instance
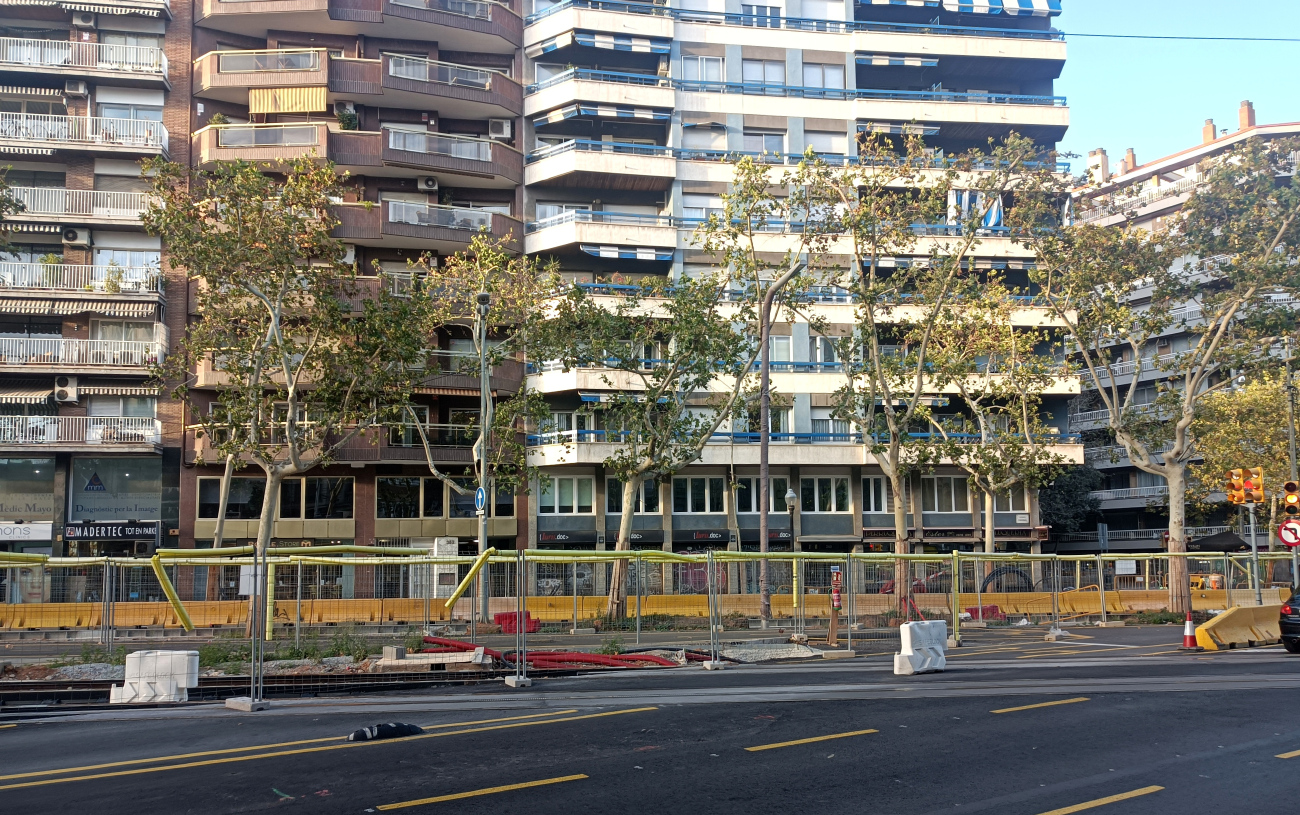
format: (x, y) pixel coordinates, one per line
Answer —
(1152, 192)
(89, 456)
(630, 113)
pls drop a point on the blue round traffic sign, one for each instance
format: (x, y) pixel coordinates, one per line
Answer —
(480, 499)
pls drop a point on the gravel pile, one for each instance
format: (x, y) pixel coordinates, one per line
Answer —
(92, 670)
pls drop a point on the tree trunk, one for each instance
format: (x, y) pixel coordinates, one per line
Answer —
(1180, 591)
(219, 536)
(265, 529)
(616, 609)
(990, 528)
(902, 568)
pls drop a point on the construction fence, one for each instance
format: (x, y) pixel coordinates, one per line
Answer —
(102, 598)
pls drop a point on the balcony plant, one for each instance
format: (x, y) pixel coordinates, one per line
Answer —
(50, 269)
(348, 120)
(113, 277)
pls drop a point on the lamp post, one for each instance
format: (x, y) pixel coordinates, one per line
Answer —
(484, 301)
(1290, 441)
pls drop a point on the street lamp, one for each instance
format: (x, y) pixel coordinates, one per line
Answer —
(484, 301)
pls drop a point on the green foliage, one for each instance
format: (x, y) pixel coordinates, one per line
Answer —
(98, 653)
(414, 639)
(222, 652)
(612, 645)
(347, 641)
(1156, 618)
(1065, 504)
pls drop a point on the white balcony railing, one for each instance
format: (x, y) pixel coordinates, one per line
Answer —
(416, 214)
(79, 430)
(1130, 492)
(57, 351)
(69, 277)
(133, 59)
(88, 131)
(62, 203)
(1131, 203)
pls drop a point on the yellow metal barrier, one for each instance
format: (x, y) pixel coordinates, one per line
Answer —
(1243, 625)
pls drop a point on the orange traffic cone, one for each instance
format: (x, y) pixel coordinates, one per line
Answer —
(1189, 635)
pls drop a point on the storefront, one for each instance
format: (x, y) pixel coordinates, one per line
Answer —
(114, 506)
(27, 505)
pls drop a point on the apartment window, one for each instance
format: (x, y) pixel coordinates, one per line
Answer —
(291, 498)
(826, 141)
(433, 498)
(1011, 501)
(702, 206)
(134, 406)
(823, 75)
(461, 505)
(781, 349)
(397, 497)
(942, 493)
(702, 69)
(822, 349)
(243, 504)
(36, 178)
(554, 209)
(704, 138)
(548, 70)
(699, 495)
(647, 501)
(130, 38)
(762, 72)
(407, 434)
(747, 497)
(122, 331)
(824, 495)
(873, 495)
(117, 110)
(32, 253)
(504, 505)
(825, 425)
(34, 107)
(761, 16)
(566, 496)
(327, 498)
(127, 258)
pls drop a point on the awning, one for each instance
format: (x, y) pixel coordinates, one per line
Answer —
(117, 390)
(898, 128)
(25, 392)
(50, 229)
(109, 308)
(896, 61)
(148, 12)
(546, 46)
(607, 111)
(22, 90)
(978, 263)
(627, 252)
(286, 100)
(623, 42)
(448, 391)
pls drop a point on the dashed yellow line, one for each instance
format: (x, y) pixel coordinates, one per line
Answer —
(1291, 754)
(1101, 802)
(487, 791)
(1042, 704)
(809, 740)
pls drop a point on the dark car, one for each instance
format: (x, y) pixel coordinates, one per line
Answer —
(1289, 623)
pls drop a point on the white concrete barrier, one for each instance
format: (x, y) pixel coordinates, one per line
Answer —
(924, 648)
(157, 676)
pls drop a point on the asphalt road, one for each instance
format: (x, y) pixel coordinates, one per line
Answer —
(1120, 722)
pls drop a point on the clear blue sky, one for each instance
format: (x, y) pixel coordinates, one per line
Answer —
(1154, 95)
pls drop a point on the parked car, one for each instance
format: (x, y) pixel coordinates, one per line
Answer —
(1289, 623)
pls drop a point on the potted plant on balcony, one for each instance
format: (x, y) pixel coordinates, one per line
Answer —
(113, 278)
(50, 264)
(348, 120)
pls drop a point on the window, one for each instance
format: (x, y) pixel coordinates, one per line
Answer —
(127, 258)
(397, 497)
(504, 505)
(566, 496)
(646, 502)
(548, 70)
(699, 495)
(134, 406)
(462, 505)
(781, 349)
(327, 498)
(825, 141)
(704, 139)
(118, 110)
(407, 434)
(702, 69)
(759, 142)
(873, 495)
(748, 499)
(1011, 501)
(243, 504)
(433, 494)
(702, 206)
(823, 75)
(291, 498)
(36, 178)
(761, 16)
(943, 493)
(33, 106)
(762, 72)
(822, 349)
(130, 38)
(547, 210)
(824, 494)
(825, 425)
(122, 330)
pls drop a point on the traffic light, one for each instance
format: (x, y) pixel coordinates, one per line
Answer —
(1291, 500)
(1236, 486)
(1254, 485)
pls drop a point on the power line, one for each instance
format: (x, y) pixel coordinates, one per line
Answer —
(1193, 39)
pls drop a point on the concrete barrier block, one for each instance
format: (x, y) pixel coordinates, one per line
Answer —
(923, 648)
(1240, 627)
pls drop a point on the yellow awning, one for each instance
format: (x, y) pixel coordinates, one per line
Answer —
(286, 100)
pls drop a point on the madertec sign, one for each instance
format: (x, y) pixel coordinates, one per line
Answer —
(110, 530)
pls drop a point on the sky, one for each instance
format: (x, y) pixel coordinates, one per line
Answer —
(1154, 95)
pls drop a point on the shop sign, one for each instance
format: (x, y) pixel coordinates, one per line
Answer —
(111, 530)
(556, 536)
(26, 532)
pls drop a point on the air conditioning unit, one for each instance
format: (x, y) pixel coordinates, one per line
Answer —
(345, 107)
(350, 256)
(65, 389)
(500, 128)
(83, 19)
(428, 183)
(75, 87)
(144, 548)
(76, 237)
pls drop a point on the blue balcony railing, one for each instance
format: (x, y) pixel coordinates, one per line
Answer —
(622, 437)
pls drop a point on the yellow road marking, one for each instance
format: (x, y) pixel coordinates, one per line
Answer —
(998, 650)
(304, 750)
(1046, 653)
(1291, 754)
(255, 747)
(488, 791)
(7, 726)
(1029, 707)
(1101, 802)
(802, 741)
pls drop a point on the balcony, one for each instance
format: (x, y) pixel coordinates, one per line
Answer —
(1129, 497)
(90, 207)
(447, 443)
(57, 355)
(411, 225)
(101, 289)
(603, 165)
(229, 75)
(37, 134)
(474, 25)
(263, 144)
(601, 87)
(583, 227)
(73, 433)
(127, 64)
(460, 91)
(473, 162)
(1144, 203)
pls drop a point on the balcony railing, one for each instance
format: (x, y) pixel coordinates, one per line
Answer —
(57, 202)
(273, 135)
(87, 131)
(620, 437)
(106, 430)
(56, 351)
(1130, 492)
(408, 212)
(796, 23)
(91, 56)
(602, 217)
(439, 435)
(465, 8)
(442, 73)
(264, 61)
(67, 277)
(437, 144)
(1134, 202)
(1140, 534)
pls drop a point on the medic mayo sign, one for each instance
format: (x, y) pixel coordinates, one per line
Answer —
(110, 530)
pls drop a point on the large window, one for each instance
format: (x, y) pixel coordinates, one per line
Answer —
(823, 75)
(706, 69)
(115, 489)
(327, 498)
(873, 494)
(943, 493)
(433, 498)
(747, 497)
(762, 71)
(462, 505)
(824, 494)
(698, 495)
(647, 501)
(397, 497)
(1010, 501)
(243, 504)
(28, 493)
(566, 496)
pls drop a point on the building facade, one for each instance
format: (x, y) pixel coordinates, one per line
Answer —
(1144, 196)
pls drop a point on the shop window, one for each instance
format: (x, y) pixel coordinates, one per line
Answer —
(647, 501)
(873, 494)
(397, 497)
(291, 498)
(699, 495)
(565, 496)
(747, 497)
(327, 498)
(118, 488)
(433, 498)
(28, 489)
